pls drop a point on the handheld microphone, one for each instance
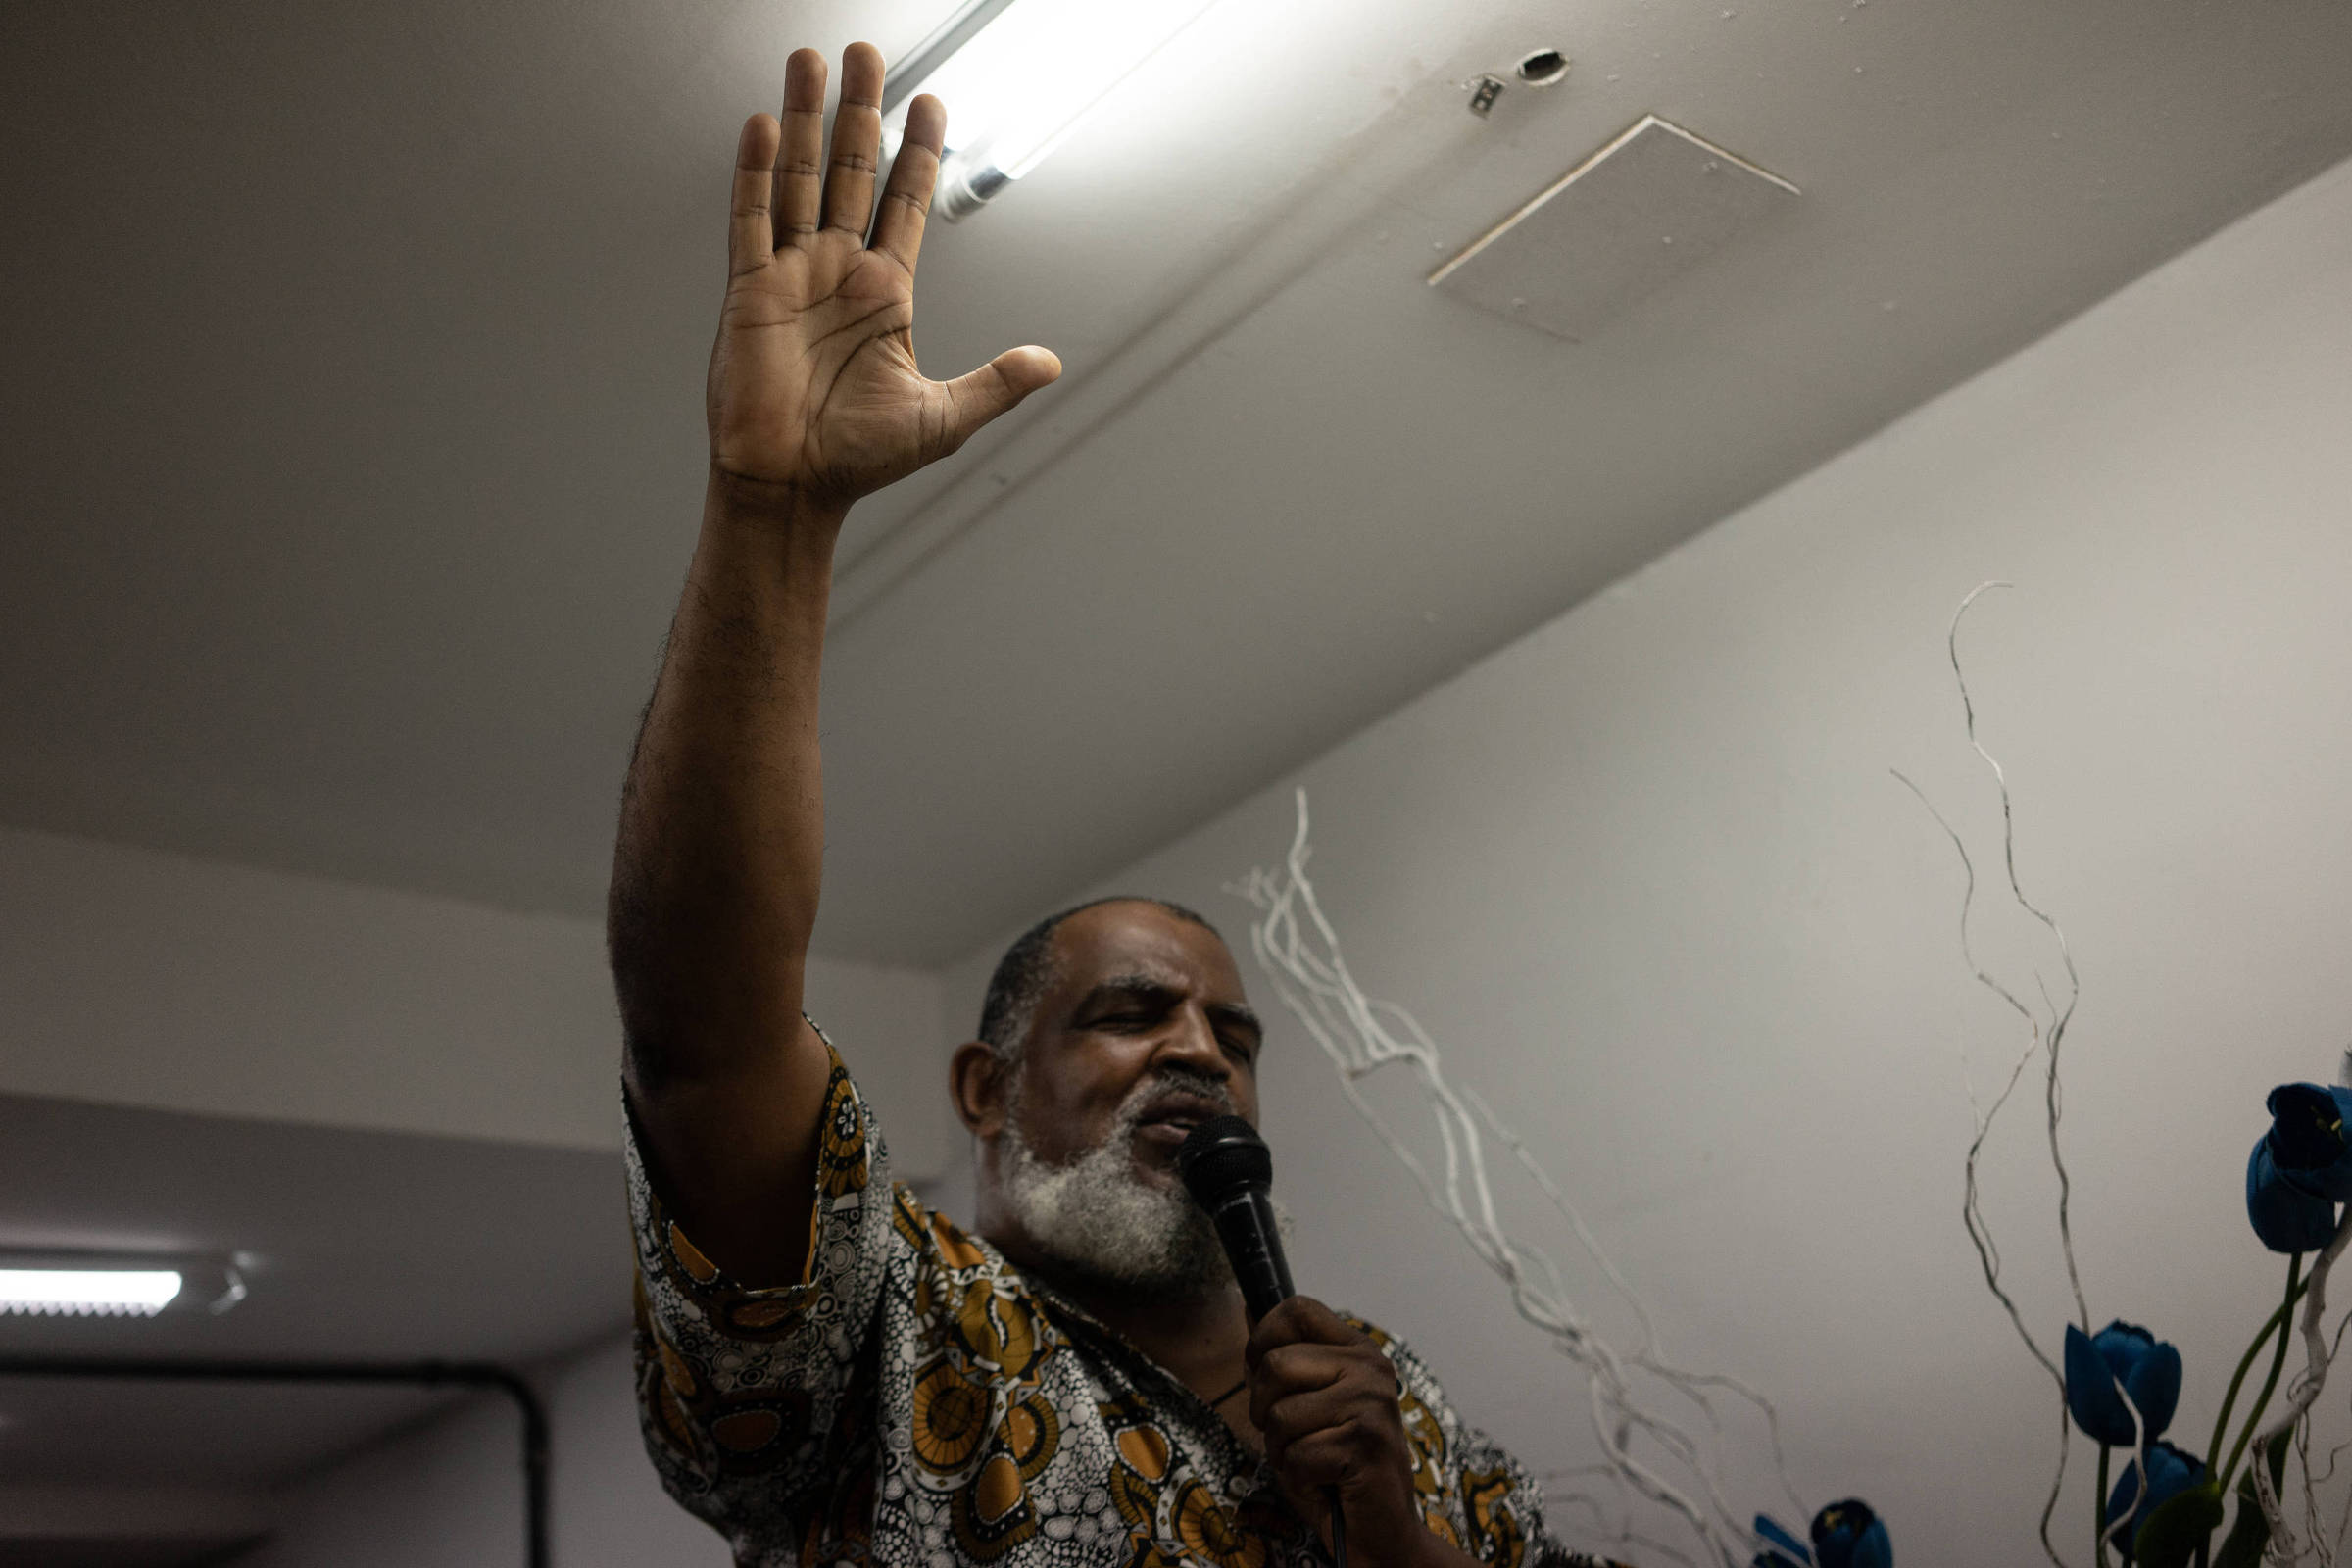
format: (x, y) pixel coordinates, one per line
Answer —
(1230, 1172)
(1227, 1168)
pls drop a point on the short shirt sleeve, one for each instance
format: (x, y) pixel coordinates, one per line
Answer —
(752, 1398)
(1473, 1493)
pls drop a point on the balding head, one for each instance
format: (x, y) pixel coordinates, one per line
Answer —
(1030, 964)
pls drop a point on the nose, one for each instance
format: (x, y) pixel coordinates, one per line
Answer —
(1193, 1042)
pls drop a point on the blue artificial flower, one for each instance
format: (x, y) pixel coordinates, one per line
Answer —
(1782, 1549)
(2170, 1472)
(2288, 1217)
(1848, 1535)
(2148, 1369)
(2307, 1139)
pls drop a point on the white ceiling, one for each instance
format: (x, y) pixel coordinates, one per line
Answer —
(355, 357)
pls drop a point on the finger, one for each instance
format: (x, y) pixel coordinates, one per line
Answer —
(1295, 1371)
(1329, 1456)
(799, 169)
(906, 199)
(1299, 1415)
(751, 226)
(1302, 1319)
(856, 141)
(979, 396)
(1287, 1368)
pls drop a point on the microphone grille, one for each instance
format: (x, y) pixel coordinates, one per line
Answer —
(1221, 1156)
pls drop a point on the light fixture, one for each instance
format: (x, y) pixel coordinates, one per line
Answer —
(87, 1291)
(1016, 76)
(103, 1285)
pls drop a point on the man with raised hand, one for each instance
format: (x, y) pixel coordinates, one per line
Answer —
(828, 1372)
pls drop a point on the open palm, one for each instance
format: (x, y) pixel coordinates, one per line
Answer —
(813, 383)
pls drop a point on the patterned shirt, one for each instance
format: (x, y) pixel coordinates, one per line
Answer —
(916, 1401)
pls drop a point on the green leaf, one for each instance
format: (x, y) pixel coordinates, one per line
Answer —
(2175, 1532)
(2251, 1533)
(2243, 1545)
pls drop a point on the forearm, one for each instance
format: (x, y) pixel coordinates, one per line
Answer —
(812, 385)
(717, 864)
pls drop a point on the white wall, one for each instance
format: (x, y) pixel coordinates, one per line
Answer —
(1645, 875)
(147, 979)
(450, 1494)
(447, 1493)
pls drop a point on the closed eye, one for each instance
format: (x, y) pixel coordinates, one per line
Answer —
(1123, 1019)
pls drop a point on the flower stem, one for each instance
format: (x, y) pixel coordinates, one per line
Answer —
(2284, 1318)
(2098, 1510)
(2274, 1323)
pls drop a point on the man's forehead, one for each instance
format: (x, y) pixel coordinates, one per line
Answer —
(1143, 943)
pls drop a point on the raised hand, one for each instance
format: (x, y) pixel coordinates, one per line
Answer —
(814, 386)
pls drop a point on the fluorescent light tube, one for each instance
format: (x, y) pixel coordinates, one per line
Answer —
(1017, 75)
(87, 1293)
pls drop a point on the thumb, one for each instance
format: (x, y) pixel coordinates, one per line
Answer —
(975, 398)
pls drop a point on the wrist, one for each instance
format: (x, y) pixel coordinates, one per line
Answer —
(1399, 1538)
(769, 504)
(1433, 1550)
(1415, 1547)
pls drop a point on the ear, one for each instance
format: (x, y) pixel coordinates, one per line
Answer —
(976, 1079)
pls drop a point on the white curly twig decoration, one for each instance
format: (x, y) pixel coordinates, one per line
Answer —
(1301, 951)
(2045, 1033)
(2285, 1546)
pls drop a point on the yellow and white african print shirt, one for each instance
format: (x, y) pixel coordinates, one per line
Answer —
(916, 1401)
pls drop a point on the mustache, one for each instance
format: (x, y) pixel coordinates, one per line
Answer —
(1197, 1081)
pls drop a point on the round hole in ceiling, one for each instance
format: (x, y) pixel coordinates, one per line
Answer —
(1543, 68)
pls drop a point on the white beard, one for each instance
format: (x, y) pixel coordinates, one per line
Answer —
(1097, 1217)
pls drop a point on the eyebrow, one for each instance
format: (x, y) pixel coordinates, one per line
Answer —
(1141, 987)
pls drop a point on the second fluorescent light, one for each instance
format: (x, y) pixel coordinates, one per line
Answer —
(79, 1283)
(87, 1291)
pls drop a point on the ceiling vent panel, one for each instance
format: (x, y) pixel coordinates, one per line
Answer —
(1614, 230)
